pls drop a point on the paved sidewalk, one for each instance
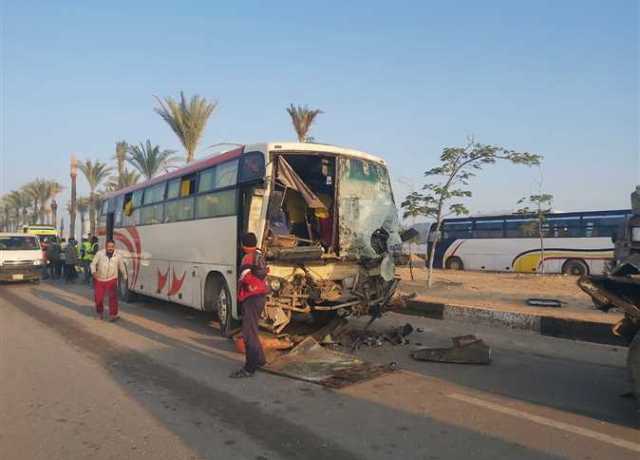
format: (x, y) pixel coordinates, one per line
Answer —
(574, 320)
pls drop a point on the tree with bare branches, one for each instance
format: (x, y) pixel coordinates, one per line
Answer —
(457, 166)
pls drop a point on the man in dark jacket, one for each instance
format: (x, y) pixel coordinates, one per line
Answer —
(70, 261)
(53, 256)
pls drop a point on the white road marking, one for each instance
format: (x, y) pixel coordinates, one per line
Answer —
(547, 422)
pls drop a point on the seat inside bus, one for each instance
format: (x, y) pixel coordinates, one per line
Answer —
(301, 207)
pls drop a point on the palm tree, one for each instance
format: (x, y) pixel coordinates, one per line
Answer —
(42, 191)
(32, 190)
(26, 202)
(149, 160)
(15, 199)
(302, 118)
(6, 209)
(95, 173)
(12, 204)
(127, 179)
(121, 157)
(186, 119)
(82, 204)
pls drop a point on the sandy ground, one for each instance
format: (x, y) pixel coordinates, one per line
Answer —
(494, 289)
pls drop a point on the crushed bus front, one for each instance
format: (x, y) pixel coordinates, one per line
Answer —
(332, 231)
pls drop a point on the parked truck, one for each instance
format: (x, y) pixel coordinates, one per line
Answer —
(620, 288)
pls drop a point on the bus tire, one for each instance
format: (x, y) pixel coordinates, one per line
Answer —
(124, 293)
(218, 299)
(454, 263)
(575, 267)
(633, 364)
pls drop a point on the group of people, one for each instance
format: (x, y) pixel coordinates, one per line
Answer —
(64, 259)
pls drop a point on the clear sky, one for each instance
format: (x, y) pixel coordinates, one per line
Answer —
(397, 79)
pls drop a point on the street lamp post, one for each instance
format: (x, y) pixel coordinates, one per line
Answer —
(73, 207)
(54, 214)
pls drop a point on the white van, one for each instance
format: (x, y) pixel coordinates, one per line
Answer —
(20, 257)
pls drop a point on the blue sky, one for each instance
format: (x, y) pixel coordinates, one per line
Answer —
(398, 79)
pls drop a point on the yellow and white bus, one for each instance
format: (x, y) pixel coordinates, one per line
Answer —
(575, 243)
(324, 216)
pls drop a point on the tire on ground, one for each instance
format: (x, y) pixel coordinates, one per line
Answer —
(217, 298)
(454, 263)
(633, 364)
(575, 267)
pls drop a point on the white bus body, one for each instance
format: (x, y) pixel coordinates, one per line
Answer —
(179, 232)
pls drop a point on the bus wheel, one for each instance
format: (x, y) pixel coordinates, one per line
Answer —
(454, 263)
(125, 294)
(575, 267)
(220, 300)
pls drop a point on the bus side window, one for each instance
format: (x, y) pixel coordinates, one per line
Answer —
(118, 211)
(489, 229)
(187, 186)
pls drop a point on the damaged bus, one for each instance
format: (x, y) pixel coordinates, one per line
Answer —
(325, 218)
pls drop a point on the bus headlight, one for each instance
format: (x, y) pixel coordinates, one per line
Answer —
(37, 262)
(635, 234)
(275, 284)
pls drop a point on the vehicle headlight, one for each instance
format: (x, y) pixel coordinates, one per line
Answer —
(37, 262)
(275, 284)
(635, 234)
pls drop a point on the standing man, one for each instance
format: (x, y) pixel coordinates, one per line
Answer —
(105, 268)
(53, 256)
(70, 261)
(252, 295)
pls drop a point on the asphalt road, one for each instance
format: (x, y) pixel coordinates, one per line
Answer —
(155, 385)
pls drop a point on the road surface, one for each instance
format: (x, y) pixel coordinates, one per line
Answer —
(155, 385)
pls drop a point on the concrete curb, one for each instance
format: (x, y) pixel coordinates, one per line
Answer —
(587, 331)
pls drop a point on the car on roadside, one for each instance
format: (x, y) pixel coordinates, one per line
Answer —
(20, 257)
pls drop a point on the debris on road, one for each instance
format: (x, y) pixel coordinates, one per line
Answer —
(466, 349)
(353, 338)
(311, 362)
(269, 342)
(534, 302)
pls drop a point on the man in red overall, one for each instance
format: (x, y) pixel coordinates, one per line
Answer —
(252, 296)
(105, 268)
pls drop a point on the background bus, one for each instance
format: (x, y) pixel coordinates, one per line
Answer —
(576, 243)
(324, 215)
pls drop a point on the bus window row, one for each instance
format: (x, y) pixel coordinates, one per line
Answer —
(208, 193)
(586, 226)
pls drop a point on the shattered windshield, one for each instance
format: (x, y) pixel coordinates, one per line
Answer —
(365, 205)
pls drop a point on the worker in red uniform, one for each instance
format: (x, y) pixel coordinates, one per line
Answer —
(252, 295)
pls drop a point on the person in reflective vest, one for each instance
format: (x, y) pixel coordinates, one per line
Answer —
(88, 250)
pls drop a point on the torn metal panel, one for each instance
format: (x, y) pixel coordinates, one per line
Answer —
(311, 362)
(365, 204)
(290, 179)
(465, 350)
(627, 266)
